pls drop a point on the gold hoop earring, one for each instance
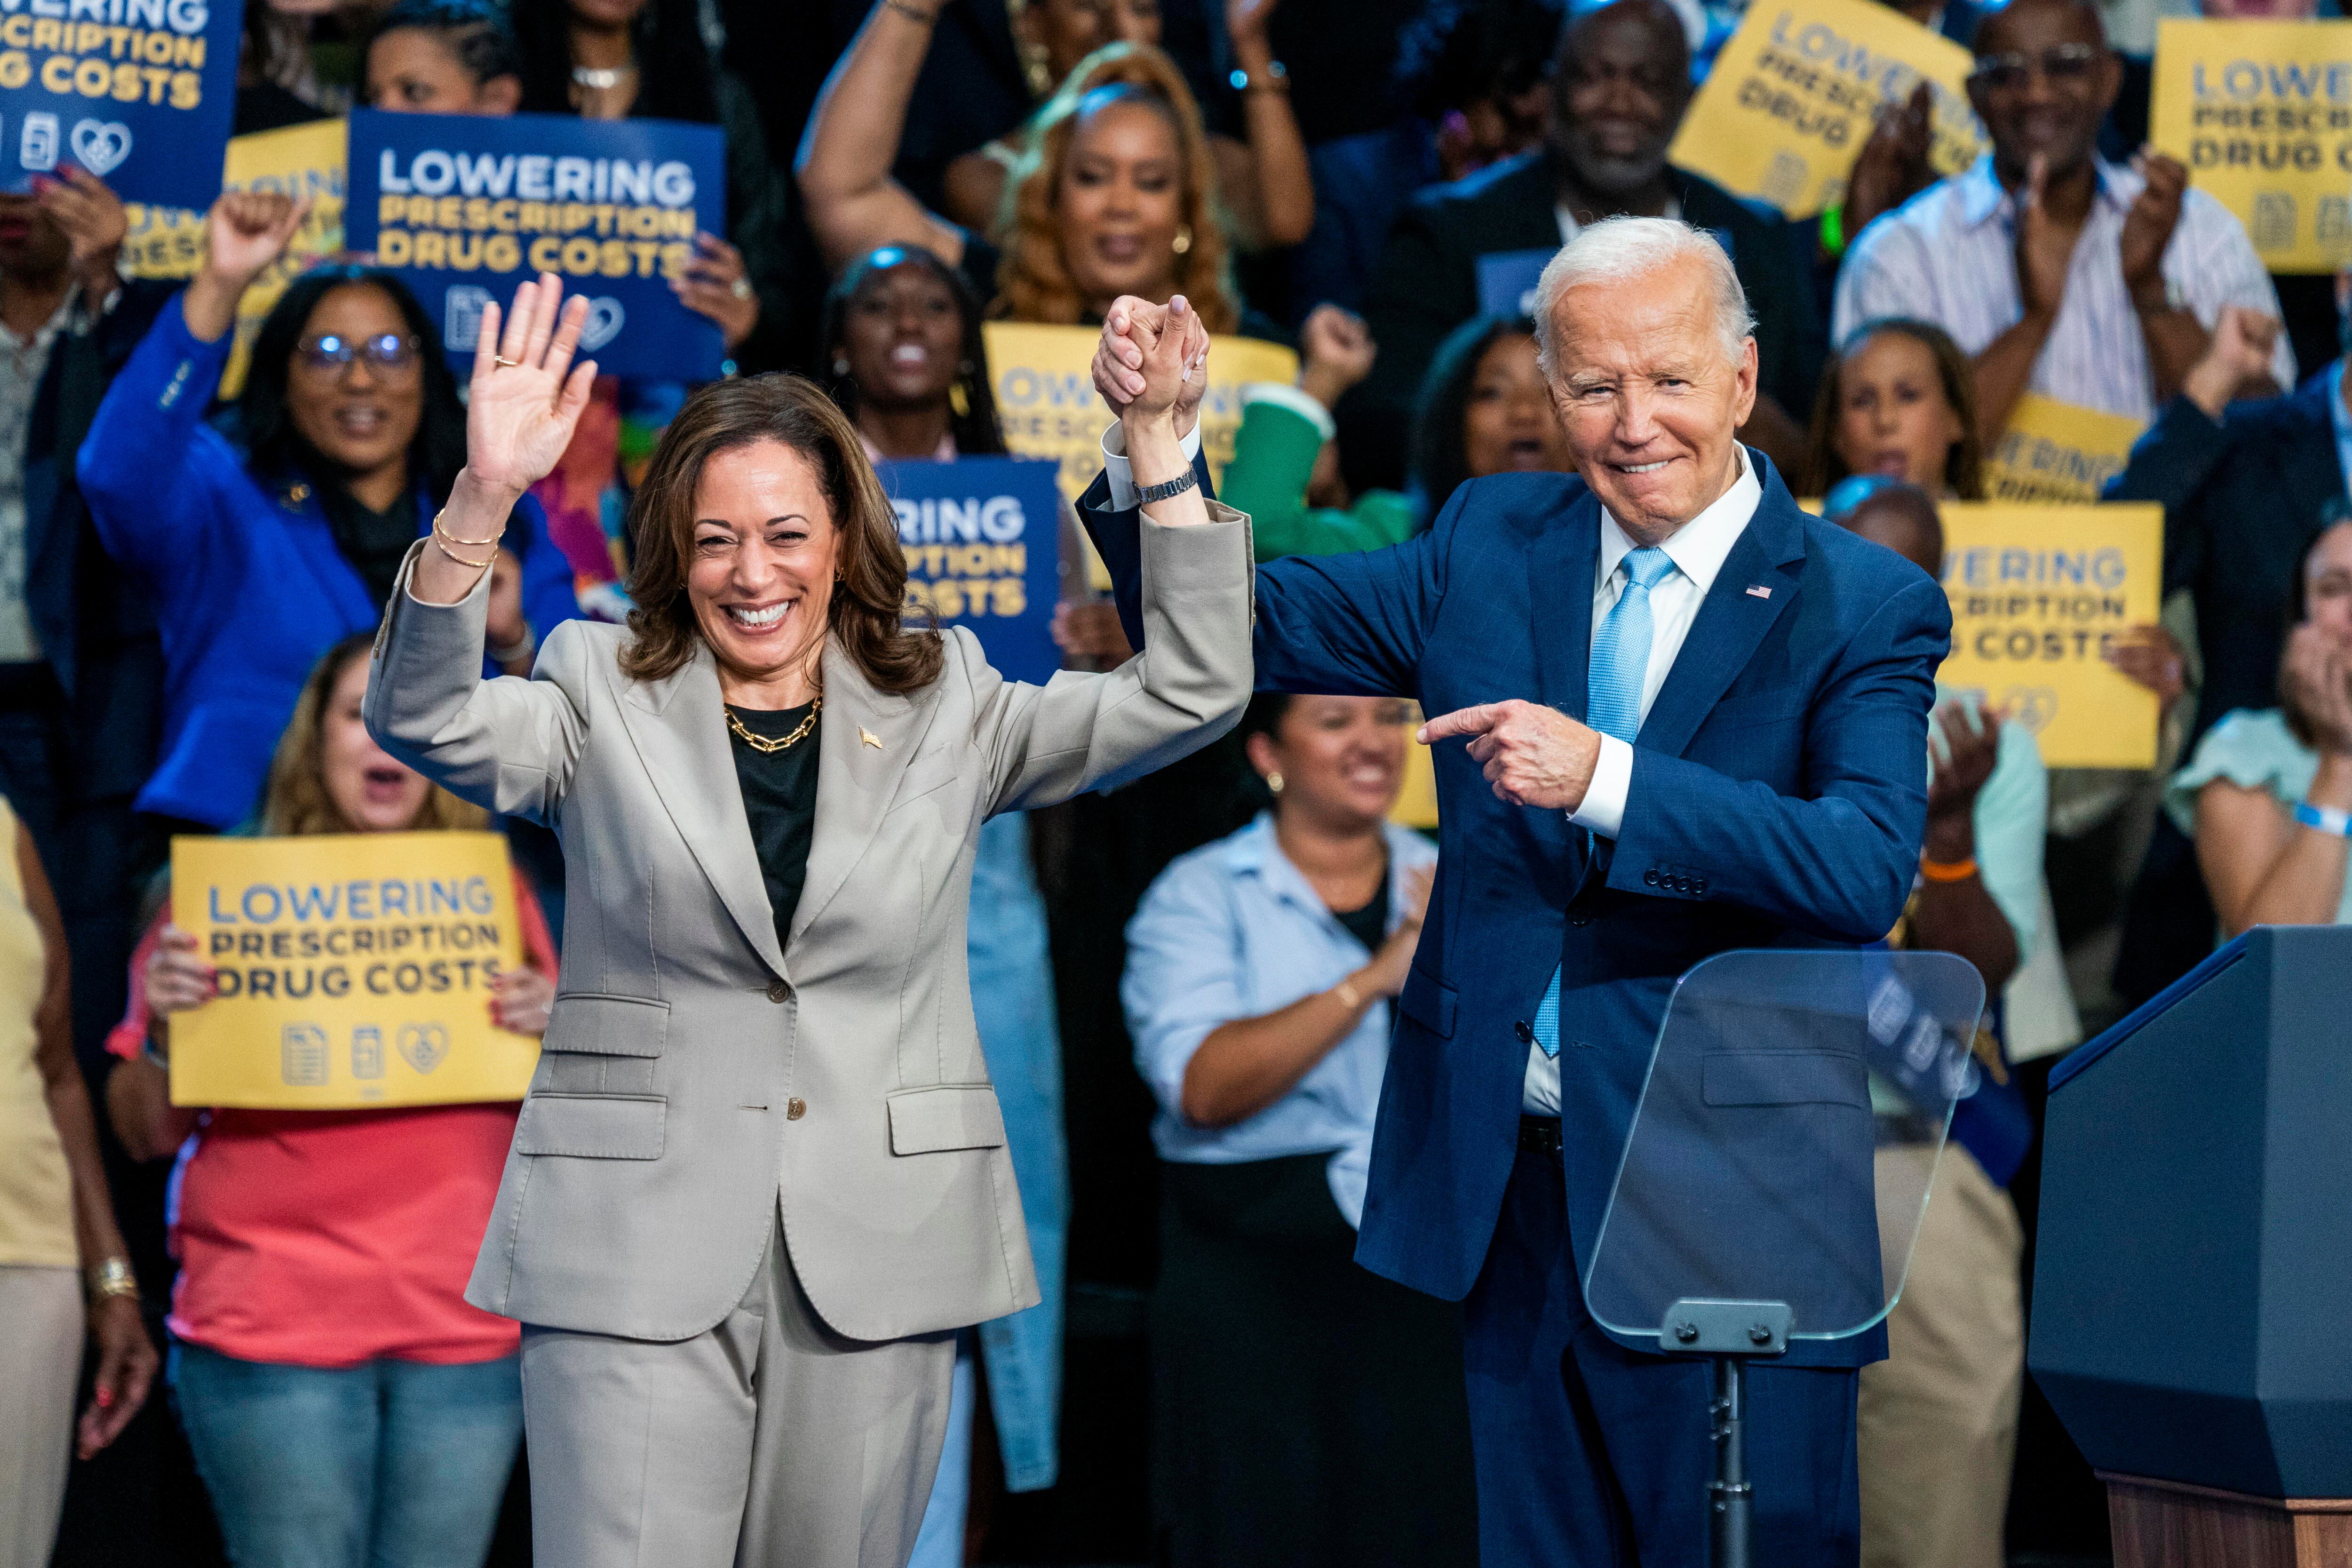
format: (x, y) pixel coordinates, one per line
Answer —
(959, 400)
(1182, 244)
(1274, 784)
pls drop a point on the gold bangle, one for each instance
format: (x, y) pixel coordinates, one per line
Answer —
(110, 1278)
(476, 565)
(469, 543)
(1345, 991)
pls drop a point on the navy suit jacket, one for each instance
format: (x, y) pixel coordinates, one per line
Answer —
(1779, 794)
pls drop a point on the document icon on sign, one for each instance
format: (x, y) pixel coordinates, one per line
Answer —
(38, 148)
(302, 1056)
(461, 316)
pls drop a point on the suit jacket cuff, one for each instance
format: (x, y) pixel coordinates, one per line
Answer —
(1116, 471)
(1604, 807)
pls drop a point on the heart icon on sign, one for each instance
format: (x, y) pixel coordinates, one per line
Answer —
(424, 1045)
(100, 144)
(604, 324)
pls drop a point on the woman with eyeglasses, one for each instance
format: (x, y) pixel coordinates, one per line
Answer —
(264, 547)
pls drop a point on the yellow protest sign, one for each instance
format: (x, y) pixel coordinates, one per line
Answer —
(1046, 400)
(354, 971)
(2261, 112)
(2039, 595)
(1794, 93)
(2056, 451)
(300, 161)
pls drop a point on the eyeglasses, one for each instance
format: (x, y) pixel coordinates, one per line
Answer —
(2062, 65)
(331, 353)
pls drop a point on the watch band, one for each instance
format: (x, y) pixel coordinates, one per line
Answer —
(1146, 494)
(2326, 818)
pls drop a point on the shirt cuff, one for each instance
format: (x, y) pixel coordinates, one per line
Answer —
(1603, 810)
(1292, 398)
(1123, 495)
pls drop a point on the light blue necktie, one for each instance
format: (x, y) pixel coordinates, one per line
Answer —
(1620, 664)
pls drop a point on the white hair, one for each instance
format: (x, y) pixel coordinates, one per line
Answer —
(1618, 248)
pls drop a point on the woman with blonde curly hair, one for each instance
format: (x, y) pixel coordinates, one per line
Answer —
(1115, 192)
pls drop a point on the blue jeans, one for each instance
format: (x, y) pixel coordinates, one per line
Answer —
(389, 1464)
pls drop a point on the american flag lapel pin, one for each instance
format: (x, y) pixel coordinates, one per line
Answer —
(1759, 591)
(869, 737)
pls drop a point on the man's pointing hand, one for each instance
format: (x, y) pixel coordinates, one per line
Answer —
(1533, 755)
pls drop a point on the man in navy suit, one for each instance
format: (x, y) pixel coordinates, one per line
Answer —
(1675, 715)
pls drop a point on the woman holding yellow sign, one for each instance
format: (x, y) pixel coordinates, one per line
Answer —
(343, 1402)
(761, 1176)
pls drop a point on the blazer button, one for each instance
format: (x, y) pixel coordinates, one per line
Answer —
(1698, 884)
(780, 992)
(795, 1107)
(1581, 918)
(1526, 1032)
(1650, 877)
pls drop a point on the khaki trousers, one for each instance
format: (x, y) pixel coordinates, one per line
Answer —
(40, 1362)
(766, 1441)
(1938, 1416)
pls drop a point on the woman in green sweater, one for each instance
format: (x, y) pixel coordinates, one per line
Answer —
(1483, 410)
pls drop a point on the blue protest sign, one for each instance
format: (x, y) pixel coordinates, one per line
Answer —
(139, 93)
(464, 207)
(982, 538)
(1507, 281)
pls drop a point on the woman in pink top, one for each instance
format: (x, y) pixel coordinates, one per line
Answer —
(345, 1405)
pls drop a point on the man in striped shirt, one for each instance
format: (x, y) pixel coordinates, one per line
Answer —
(2059, 273)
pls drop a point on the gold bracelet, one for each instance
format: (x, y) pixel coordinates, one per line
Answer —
(110, 1278)
(476, 566)
(1345, 991)
(469, 543)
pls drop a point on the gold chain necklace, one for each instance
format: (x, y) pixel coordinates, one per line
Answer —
(759, 743)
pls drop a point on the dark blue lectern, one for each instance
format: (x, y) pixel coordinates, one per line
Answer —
(2192, 1293)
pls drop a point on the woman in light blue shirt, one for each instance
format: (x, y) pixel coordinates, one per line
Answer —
(1305, 1411)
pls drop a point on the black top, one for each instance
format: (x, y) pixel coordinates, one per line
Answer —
(1369, 925)
(1426, 284)
(374, 542)
(780, 799)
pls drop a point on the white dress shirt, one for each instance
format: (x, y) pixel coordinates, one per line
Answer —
(1949, 256)
(1698, 549)
(1120, 476)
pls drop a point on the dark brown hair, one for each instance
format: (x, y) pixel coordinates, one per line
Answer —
(1963, 467)
(869, 593)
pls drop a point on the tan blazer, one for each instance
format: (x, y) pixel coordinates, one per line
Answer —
(694, 1077)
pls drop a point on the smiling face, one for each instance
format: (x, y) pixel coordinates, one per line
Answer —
(2055, 117)
(1648, 394)
(1341, 759)
(361, 417)
(373, 793)
(1508, 424)
(413, 71)
(760, 563)
(1893, 418)
(1618, 91)
(1121, 202)
(903, 337)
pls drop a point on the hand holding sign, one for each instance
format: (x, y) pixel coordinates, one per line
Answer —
(244, 233)
(1533, 755)
(715, 284)
(92, 220)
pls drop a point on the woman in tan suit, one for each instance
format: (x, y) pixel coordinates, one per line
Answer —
(759, 1177)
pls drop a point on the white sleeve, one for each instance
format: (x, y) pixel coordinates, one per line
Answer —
(1123, 497)
(1604, 807)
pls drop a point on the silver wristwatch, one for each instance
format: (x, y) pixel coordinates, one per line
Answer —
(1147, 494)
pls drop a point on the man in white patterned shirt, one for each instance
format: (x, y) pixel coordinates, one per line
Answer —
(2058, 272)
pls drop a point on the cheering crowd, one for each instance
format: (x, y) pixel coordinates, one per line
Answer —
(240, 1335)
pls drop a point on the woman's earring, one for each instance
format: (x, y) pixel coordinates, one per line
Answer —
(840, 365)
(959, 400)
(1183, 243)
(1273, 782)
